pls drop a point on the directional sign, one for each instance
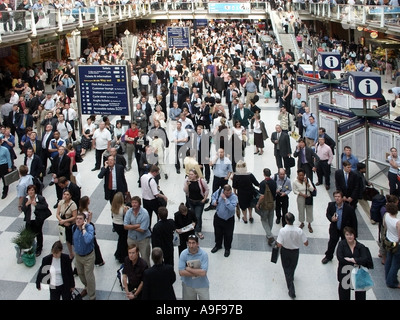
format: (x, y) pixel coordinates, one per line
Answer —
(364, 85)
(229, 7)
(103, 89)
(385, 124)
(350, 125)
(178, 37)
(329, 61)
(335, 111)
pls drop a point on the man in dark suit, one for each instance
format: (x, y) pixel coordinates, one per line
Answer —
(175, 96)
(346, 181)
(307, 158)
(282, 149)
(74, 190)
(13, 118)
(34, 143)
(45, 141)
(34, 163)
(50, 119)
(60, 168)
(159, 279)
(203, 115)
(341, 215)
(24, 121)
(209, 79)
(114, 178)
(243, 115)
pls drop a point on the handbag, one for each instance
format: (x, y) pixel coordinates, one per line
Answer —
(309, 200)
(361, 279)
(291, 162)
(390, 246)
(61, 234)
(274, 254)
(128, 198)
(295, 135)
(176, 240)
(256, 197)
(76, 295)
(369, 193)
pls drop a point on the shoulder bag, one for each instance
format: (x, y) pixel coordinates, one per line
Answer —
(275, 254)
(161, 201)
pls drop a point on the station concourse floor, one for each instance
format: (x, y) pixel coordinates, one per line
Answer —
(247, 274)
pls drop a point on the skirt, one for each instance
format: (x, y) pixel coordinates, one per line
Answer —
(86, 143)
(258, 140)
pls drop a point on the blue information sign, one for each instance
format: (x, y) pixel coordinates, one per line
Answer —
(178, 37)
(385, 124)
(104, 89)
(364, 85)
(329, 61)
(229, 7)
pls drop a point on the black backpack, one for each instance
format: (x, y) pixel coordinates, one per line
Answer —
(378, 202)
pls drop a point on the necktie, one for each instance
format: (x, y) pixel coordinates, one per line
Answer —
(279, 135)
(24, 123)
(34, 147)
(303, 156)
(67, 116)
(110, 180)
(345, 178)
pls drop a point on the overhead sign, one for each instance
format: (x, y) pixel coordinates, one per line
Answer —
(178, 37)
(103, 89)
(350, 125)
(364, 85)
(229, 7)
(385, 124)
(338, 112)
(329, 61)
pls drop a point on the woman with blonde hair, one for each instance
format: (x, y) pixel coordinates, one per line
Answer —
(118, 210)
(243, 183)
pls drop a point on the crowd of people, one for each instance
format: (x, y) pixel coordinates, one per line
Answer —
(196, 109)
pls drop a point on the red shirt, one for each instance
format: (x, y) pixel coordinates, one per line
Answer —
(131, 134)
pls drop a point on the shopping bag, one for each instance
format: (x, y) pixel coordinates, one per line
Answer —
(295, 135)
(176, 240)
(274, 254)
(361, 279)
(61, 234)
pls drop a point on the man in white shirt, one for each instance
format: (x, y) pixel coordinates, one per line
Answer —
(70, 116)
(101, 142)
(48, 103)
(180, 137)
(64, 128)
(14, 97)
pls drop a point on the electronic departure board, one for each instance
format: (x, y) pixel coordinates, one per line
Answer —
(103, 89)
(178, 37)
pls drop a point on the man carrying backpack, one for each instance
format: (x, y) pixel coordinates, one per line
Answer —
(266, 204)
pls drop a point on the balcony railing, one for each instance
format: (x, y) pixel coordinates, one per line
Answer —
(32, 22)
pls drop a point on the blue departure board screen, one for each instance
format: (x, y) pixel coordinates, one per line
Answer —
(103, 89)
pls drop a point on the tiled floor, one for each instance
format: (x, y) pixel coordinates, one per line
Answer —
(247, 274)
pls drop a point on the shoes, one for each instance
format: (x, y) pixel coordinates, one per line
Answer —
(210, 207)
(327, 187)
(166, 176)
(101, 264)
(373, 221)
(325, 260)
(38, 253)
(75, 272)
(4, 196)
(251, 220)
(301, 226)
(51, 183)
(245, 221)
(178, 171)
(256, 152)
(278, 220)
(292, 295)
(261, 153)
(215, 249)
(271, 241)
(310, 228)
(127, 169)
(56, 205)
(318, 184)
(227, 253)
(94, 169)
(208, 181)
(200, 235)
(83, 293)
